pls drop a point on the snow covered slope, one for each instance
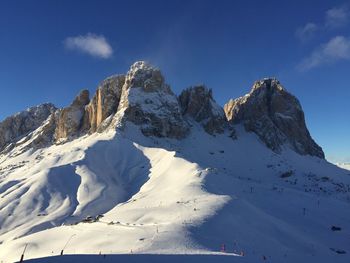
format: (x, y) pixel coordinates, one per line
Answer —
(126, 191)
(344, 165)
(171, 196)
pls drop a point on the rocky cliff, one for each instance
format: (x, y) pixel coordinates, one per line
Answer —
(197, 102)
(148, 101)
(275, 116)
(16, 127)
(104, 103)
(70, 120)
(143, 98)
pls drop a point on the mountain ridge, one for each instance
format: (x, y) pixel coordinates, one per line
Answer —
(142, 92)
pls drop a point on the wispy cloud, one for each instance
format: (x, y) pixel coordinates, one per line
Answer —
(94, 45)
(338, 48)
(306, 32)
(337, 16)
(334, 18)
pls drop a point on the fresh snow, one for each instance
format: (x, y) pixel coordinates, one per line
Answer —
(137, 258)
(174, 197)
(344, 165)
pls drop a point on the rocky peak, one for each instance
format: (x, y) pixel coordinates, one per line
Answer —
(267, 83)
(275, 116)
(70, 119)
(82, 99)
(148, 102)
(197, 102)
(15, 127)
(145, 76)
(104, 103)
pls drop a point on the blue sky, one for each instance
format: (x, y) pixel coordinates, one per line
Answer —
(49, 50)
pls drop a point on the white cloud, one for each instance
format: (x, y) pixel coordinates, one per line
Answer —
(94, 45)
(337, 16)
(334, 18)
(306, 32)
(338, 48)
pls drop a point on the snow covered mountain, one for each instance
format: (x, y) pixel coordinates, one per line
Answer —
(136, 169)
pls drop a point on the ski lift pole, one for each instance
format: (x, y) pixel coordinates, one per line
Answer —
(24, 250)
(223, 248)
(67, 243)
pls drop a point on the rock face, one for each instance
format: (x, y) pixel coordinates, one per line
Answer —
(275, 116)
(45, 135)
(142, 97)
(197, 103)
(104, 103)
(149, 103)
(14, 128)
(70, 120)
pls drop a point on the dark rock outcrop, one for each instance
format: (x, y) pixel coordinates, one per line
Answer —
(197, 102)
(275, 116)
(70, 120)
(15, 127)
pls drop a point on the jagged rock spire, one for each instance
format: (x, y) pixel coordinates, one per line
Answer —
(70, 119)
(197, 102)
(275, 116)
(144, 75)
(104, 104)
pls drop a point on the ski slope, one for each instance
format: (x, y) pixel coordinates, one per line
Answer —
(173, 197)
(344, 165)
